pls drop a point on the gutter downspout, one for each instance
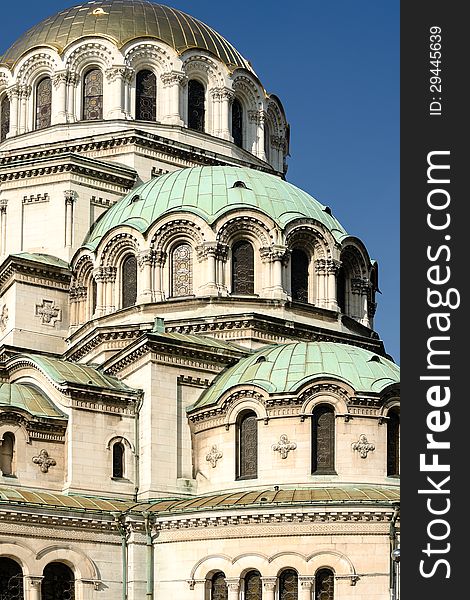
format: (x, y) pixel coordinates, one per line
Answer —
(137, 408)
(120, 522)
(149, 521)
(393, 537)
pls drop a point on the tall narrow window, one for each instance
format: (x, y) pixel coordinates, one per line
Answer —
(4, 117)
(288, 585)
(253, 587)
(93, 95)
(237, 123)
(219, 590)
(323, 440)
(43, 103)
(341, 289)
(247, 442)
(393, 444)
(118, 460)
(196, 105)
(129, 281)
(7, 454)
(324, 585)
(267, 140)
(58, 582)
(146, 96)
(94, 296)
(299, 275)
(11, 579)
(182, 271)
(243, 280)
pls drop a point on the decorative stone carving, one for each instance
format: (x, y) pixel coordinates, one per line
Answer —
(214, 455)
(70, 196)
(269, 583)
(283, 446)
(44, 461)
(49, 312)
(3, 317)
(363, 446)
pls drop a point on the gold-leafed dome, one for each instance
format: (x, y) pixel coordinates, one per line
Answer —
(123, 21)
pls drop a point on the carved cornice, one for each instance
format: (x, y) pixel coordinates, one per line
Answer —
(36, 428)
(34, 272)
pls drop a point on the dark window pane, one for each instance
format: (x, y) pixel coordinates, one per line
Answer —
(146, 96)
(267, 140)
(219, 589)
(243, 279)
(118, 460)
(237, 123)
(253, 588)
(11, 580)
(5, 117)
(7, 450)
(43, 103)
(196, 105)
(129, 281)
(341, 290)
(299, 275)
(324, 585)
(58, 582)
(393, 444)
(182, 271)
(93, 95)
(288, 585)
(323, 440)
(248, 446)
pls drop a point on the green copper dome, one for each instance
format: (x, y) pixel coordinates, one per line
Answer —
(122, 21)
(285, 367)
(210, 192)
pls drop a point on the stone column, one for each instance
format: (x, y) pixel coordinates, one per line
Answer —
(109, 274)
(233, 585)
(275, 256)
(116, 77)
(306, 587)
(100, 279)
(261, 133)
(226, 99)
(146, 260)
(332, 267)
(208, 252)
(3, 226)
(359, 290)
(33, 587)
(173, 81)
(320, 272)
(269, 587)
(221, 261)
(24, 94)
(70, 100)
(59, 109)
(13, 95)
(70, 197)
(159, 261)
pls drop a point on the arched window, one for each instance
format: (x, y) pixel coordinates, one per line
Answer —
(93, 95)
(146, 96)
(94, 296)
(341, 289)
(253, 587)
(129, 281)
(247, 445)
(267, 140)
(7, 454)
(243, 271)
(288, 585)
(237, 123)
(219, 590)
(324, 584)
(323, 440)
(58, 582)
(196, 105)
(118, 460)
(43, 103)
(393, 444)
(299, 275)
(182, 270)
(4, 117)
(11, 579)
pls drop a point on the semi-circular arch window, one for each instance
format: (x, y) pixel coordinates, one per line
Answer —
(219, 590)
(4, 117)
(323, 440)
(129, 281)
(288, 585)
(196, 105)
(93, 95)
(182, 270)
(43, 103)
(253, 586)
(393, 443)
(237, 123)
(299, 275)
(58, 582)
(146, 96)
(324, 584)
(243, 272)
(7, 454)
(247, 445)
(11, 579)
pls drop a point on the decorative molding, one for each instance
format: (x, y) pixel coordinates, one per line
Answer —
(363, 446)
(214, 455)
(49, 312)
(34, 199)
(283, 446)
(44, 461)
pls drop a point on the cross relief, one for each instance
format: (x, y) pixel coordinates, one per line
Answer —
(49, 312)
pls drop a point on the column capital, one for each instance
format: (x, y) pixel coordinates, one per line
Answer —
(233, 583)
(3, 205)
(70, 196)
(306, 581)
(146, 257)
(273, 253)
(173, 77)
(269, 583)
(34, 580)
(360, 285)
(60, 78)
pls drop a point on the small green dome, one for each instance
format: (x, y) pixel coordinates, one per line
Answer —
(210, 192)
(285, 367)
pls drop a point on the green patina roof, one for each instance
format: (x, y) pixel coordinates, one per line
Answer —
(285, 367)
(209, 193)
(45, 259)
(28, 398)
(65, 372)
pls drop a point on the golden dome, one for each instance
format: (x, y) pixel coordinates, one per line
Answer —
(122, 21)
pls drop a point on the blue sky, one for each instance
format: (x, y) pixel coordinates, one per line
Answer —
(335, 67)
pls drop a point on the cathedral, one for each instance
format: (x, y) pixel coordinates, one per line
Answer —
(194, 403)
